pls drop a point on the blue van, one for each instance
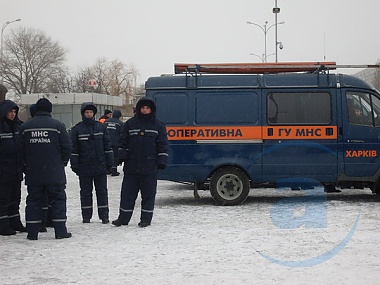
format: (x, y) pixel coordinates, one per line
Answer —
(232, 132)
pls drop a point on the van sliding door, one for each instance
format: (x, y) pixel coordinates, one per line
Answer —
(300, 136)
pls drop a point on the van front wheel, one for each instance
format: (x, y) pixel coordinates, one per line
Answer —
(229, 186)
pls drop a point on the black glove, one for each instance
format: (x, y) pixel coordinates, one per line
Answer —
(161, 166)
(120, 161)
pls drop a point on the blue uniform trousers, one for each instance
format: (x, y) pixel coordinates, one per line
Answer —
(132, 184)
(34, 208)
(46, 207)
(115, 150)
(10, 198)
(86, 186)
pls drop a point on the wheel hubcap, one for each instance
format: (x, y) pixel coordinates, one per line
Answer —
(229, 186)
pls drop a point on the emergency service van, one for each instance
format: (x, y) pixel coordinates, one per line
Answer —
(233, 127)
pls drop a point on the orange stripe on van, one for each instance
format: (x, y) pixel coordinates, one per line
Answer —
(252, 132)
(214, 133)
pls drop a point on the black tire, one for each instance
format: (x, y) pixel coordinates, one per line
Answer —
(229, 186)
(376, 188)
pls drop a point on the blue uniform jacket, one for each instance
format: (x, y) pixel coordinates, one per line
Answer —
(10, 160)
(45, 147)
(92, 151)
(114, 127)
(143, 143)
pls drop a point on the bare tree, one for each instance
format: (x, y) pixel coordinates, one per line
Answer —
(113, 78)
(32, 61)
(81, 80)
(119, 79)
(61, 82)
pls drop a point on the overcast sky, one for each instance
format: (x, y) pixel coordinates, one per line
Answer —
(152, 35)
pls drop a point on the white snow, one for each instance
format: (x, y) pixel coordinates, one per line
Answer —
(192, 241)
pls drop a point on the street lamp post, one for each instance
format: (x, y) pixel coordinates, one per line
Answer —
(262, 57)
(1, 47)
(276, 10)
(265, 29)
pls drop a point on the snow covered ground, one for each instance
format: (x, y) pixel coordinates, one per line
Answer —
(275, 237)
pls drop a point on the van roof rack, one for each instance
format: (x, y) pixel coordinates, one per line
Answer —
(260, 68)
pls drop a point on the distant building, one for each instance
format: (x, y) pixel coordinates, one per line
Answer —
(66, 106)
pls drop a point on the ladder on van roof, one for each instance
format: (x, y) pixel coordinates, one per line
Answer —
(260, 68)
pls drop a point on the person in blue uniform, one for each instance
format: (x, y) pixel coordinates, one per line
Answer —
(114, 127)
(45, 147)
(91, 158)
(46, 218)
(10, 170)
(144, 150)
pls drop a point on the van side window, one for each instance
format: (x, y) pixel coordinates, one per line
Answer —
(307, 108)
(363, 109)
(169, 115)
(226, 108)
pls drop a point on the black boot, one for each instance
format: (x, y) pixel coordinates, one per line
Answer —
(119, 223)
(32, 237)
(18, 226)
(7, 232)
(66, 235)
(143, 224)
(105, 221)
(43, 229)
(330, 188)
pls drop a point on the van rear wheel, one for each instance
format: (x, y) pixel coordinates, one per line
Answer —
(229, 186)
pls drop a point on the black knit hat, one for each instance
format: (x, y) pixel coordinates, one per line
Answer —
(32, 110)
(145, 101)
(106, 112)
(44, 105)
(88, 106)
